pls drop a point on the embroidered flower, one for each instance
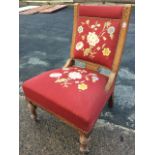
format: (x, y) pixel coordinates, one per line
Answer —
(82, 86)
(79, 45)
(95, 78)
(92, 39)
(55, 75)
(98, 25)
(74, 75)
(61, 80)
(111, 30)
(106, 51)
(80, 29)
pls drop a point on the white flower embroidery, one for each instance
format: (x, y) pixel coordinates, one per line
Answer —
(111, 30)
(98, 25)
(55, 75)
(79, 45)
(74, 75)
(80, 29)
(92, 39)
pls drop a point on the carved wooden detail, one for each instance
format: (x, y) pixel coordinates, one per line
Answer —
(84, 140)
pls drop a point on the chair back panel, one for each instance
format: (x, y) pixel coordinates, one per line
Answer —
(96, 33)
(114, 12)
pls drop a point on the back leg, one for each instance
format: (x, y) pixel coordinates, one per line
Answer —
(111, 101)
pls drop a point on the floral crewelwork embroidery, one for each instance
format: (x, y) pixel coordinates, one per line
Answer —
(111, 31)
(79, 45)
(80, 29)
(106, 51)
(94, 36)
(55, 75)
(92, 39)
(82, 86)
(76, 76)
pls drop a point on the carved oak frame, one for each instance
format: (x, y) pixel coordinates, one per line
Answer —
(84, 136)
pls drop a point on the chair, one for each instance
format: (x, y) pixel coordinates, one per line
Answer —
(78, 92)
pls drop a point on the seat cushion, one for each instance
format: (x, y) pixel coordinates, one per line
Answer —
(73, 93)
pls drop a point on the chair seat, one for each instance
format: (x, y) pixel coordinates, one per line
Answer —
(75, 94)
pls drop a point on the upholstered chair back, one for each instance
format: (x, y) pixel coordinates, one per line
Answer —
(96, 33)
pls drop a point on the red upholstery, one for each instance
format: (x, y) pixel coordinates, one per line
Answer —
(73, 93)
(96, 40)
(114, 12)
(97, 33)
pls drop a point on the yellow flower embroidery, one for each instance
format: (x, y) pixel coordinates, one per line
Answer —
(82, 86)
(106, 51)
(60, 80)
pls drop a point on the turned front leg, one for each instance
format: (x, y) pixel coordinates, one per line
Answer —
(32, 108)
(84, 140)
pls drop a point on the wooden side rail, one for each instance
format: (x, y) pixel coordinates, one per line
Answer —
(111, 81)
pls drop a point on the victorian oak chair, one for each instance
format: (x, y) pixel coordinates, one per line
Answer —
(77, 93)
